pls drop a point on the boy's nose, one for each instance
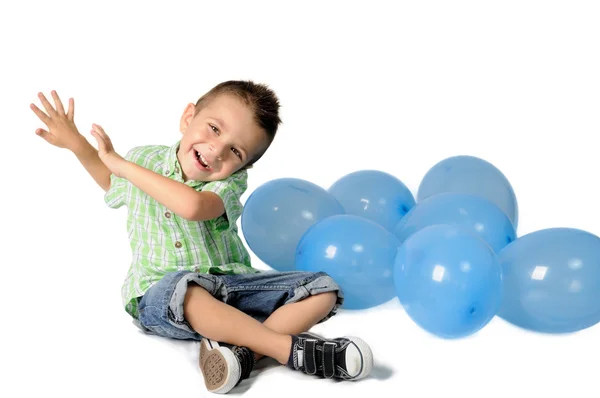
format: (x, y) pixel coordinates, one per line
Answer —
(216, 151)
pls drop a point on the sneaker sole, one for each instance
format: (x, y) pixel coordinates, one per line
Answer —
(365, 353)
(220, 368)
(366, 356)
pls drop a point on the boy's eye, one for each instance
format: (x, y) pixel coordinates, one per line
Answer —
(237, 153)
(214, 128)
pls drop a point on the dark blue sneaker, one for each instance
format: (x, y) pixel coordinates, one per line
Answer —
(346, 358)
(224, 366)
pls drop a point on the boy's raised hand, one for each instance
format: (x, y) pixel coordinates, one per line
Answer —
(106, 151)
(61, 131)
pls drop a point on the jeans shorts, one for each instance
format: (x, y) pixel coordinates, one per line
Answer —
(257, 294)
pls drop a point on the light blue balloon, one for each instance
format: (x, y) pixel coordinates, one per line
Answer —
(475, 213)
(375, 195)
(552, 281)
(469, 174)
(357, 253)
(448, 280)
(278, 213)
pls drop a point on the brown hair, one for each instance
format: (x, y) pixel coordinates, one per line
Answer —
(260, 98)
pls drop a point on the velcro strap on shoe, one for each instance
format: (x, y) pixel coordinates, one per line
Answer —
(310, 356)
(329, 359)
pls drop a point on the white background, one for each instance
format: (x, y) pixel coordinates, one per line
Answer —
(395, 86)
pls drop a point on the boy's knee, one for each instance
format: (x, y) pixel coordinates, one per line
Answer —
(329, 299)
(194, 296)
(333, 297)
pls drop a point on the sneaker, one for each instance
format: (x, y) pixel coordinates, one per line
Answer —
(224, 366)
(346, 358)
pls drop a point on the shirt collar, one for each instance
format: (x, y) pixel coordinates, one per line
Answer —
(172, 167)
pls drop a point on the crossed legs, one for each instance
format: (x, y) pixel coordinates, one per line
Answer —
(216, 320)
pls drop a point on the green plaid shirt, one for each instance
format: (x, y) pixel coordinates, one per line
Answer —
(162, 242)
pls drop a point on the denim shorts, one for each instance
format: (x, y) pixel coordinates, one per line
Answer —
(257, 294)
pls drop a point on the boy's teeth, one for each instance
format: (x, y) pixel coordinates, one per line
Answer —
(202, 160)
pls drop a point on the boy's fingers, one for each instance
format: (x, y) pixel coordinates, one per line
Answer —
(71, 111)
(57, 103)
(98, 128)
(47, 106)
(43, 117)
(99, 139)
(45, 135)
(102, 134)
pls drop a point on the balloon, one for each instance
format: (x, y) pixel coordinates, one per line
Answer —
(469, 174)
(448, 280)
(278, 213)
(357, 253)
(472, 212)
(375, 195)
(552, 281)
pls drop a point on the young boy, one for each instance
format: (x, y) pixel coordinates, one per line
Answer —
(190, 275)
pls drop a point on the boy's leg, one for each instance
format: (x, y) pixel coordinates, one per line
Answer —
(188, 305)
(287, 304)
(223, 368)
(180, 299)
(216, 320)
(301, 316)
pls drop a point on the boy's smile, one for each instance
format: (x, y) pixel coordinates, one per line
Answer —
(220, 140)
(202, 163)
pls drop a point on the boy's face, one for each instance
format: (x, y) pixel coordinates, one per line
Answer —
(219, 140)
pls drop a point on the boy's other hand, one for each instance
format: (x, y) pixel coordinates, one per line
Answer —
(106, 152)
(62, 131)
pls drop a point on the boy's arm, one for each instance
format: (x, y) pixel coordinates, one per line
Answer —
(63, 133)
(181, 199)
(89, 159)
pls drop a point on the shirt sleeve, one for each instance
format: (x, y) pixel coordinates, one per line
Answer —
(116, 196)
(230, 190)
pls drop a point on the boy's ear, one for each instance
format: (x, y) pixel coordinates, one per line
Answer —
(188, 115)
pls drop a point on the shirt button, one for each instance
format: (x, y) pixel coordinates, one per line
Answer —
(176, 169)
(166, 172)
(168, 215)
(178, 244)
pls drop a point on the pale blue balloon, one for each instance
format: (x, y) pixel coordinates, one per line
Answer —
(375, 195)
(448, 280)
(278, 213)
(552, 281)
(357, 253)
(469, 174)
(477, 214)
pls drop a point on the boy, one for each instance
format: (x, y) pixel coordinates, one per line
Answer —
(190, 275)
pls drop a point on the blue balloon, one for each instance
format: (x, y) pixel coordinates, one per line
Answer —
(448, 280)
(375, 195)
(357, 253)
(477, 214)
(278, 213)
(552, 281)
(469, 174)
